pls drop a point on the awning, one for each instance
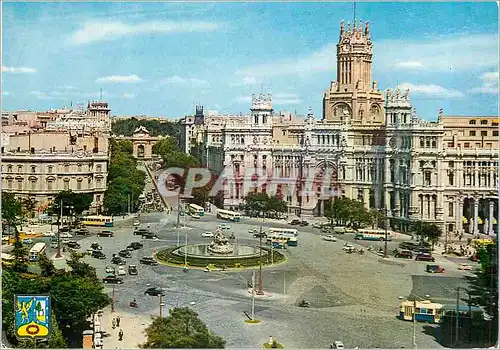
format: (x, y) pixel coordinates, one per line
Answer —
(480, 221)
(464, 220)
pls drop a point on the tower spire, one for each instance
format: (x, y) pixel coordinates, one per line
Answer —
(354, 13)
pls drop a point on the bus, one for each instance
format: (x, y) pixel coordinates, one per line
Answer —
(196, 209)
(7, 259)
(425, 311)
(36, 250)
(228, 215)
(289, 239)
(372, 235)
(283, 231)
(98, 220)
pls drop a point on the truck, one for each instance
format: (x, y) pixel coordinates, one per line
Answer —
(434, 269)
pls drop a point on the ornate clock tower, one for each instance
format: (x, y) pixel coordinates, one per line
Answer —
(353, 97)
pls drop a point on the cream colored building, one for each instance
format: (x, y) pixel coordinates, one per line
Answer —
(369, 145)
(69, 152)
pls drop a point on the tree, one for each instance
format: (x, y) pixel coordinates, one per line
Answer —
(345, 211)
(181, 329)
(79, 201)
(155, 127)
(46, 265)
(425, 230)
(11, 211)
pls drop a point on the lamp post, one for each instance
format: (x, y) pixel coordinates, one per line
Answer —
(179, 213)
(414, 318)
(260, 291)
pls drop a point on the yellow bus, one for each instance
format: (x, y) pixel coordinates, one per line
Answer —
(423, 311)
(98, 220)
(196, 209)
(7, 259)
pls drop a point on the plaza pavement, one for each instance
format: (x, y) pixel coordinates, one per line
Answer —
(132, 326)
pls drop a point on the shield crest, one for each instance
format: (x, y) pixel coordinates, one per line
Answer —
(33, 316)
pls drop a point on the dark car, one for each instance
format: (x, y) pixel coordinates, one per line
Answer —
(132, 270)
(64, 229)
(82, 232)
(135, 246)
(118, 260)
(96, 246)
(98, 254)
(154, 291)
(149, 236)
(304, 223)
(112, 279)
(259, 234)
(105, 234)
(421, 250)
(404, 254)
(295, 222)
(425, 257)
(73, 244)
(124, 254)
(147, 260)
(141, 231)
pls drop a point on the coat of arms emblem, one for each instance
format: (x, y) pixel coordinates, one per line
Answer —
(33, 316)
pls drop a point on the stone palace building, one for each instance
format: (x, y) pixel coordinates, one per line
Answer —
(369, 145)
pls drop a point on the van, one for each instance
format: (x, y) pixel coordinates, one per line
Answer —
(339, 230)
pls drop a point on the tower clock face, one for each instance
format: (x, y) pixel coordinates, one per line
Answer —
(345, 48)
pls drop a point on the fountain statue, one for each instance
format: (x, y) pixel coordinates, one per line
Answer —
(220, 244)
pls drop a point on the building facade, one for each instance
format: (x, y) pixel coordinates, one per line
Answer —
(369, 145)
(44, 153)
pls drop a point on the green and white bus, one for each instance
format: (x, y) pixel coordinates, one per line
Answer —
(228, 215)
(196, 210)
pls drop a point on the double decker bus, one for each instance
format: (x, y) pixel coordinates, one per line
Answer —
(196, 209)
(228, 215)
(372, 235)
(37, 250)
(289, 236)
(98, 220)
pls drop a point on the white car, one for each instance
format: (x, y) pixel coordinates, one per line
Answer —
(110, 269)
(348, 246)
(53, 245)
(121, 271)
(330, 238)
(66, 235)
(65, 240)
(339, 345)
(49, 234)
(224, 226)
(207, 234)
(136, 223)
(466, 267)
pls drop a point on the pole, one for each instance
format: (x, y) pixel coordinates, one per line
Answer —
(385, 239)
(415, 323)
(457, 316)
(284, 285)
(253, 294)
(58, 253)
(185, 250)
(260, 292)
(178, 216)
(113, 300)
(161, 305)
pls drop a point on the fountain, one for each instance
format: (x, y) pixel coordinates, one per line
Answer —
(220, 245)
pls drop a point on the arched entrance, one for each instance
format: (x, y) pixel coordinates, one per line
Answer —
(140, 151)
(325, 185)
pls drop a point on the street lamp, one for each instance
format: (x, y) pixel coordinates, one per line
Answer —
(260, 291)
(414, 316)
(58, 253)
(179, 213)
(385, 228)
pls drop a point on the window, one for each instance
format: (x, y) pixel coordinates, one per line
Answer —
(484, 122)
(66, 184)
(427, 178)
(19, 168)
(450, 144)
(9, 168)
(98, 183)
(451, 164)
(79, 184)
(49, 185)
(66, 168)
(472, 133)
(450, 179)
(472, 122)
(33, 184)
(478, 145)
(20, 185)
(98, 198)
(495, 132)
(450, 209)
(421, 142)
(284, 132)
(484, 133)
(33, 169)
(98, 168)
(79, 167)
(466, 144)
(49, 169)
(9, 184)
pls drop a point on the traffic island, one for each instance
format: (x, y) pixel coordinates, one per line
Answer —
(171, 257)
(274, 345)
(252, 321)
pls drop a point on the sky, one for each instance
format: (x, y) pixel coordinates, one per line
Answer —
(161, 59)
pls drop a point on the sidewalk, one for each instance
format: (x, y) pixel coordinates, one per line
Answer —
(132, 326)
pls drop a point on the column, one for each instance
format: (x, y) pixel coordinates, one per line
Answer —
(476, 214)
(491, 218)
(321, 207)
(366, 197)
(459, 207)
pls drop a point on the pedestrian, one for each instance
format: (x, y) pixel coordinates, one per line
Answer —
(118, 319)
(113, 323)
(120, 335)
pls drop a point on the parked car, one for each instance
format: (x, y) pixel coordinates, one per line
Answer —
(53, 244)
(110, 269)
(121, 271)
(73, 244)
(49, 234)
(98, 254)
(136, 223)
(339, 345)
(465, 267)
(424, 257)
(224, 226)
(304, 223)
(404, 254)
(135, 246)
(252, 230)
(27, 241)
(64, 229)
(118, 260)
(330, 238)
(65, 240)
(259, 235)
(434, 269)
(207, 234)
(112, 279)
(154, 291)
(150, 235)
(65, 235)
(132, 270)
(147, 260)
(82, 232)
(95, 246)
(106, 234)
(124, 254)
(295, 222)
(141, 231)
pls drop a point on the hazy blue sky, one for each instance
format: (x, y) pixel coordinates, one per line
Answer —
(161, 59)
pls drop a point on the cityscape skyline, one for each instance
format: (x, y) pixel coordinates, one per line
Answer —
(286, 49)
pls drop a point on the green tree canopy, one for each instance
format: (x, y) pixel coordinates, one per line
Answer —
(181, 329)
(345, 211)
(126, 127)
(79, 201)
(426, 230)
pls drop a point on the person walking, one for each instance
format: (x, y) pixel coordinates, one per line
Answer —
(113, 323)
(120, 335)
(118, 319)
